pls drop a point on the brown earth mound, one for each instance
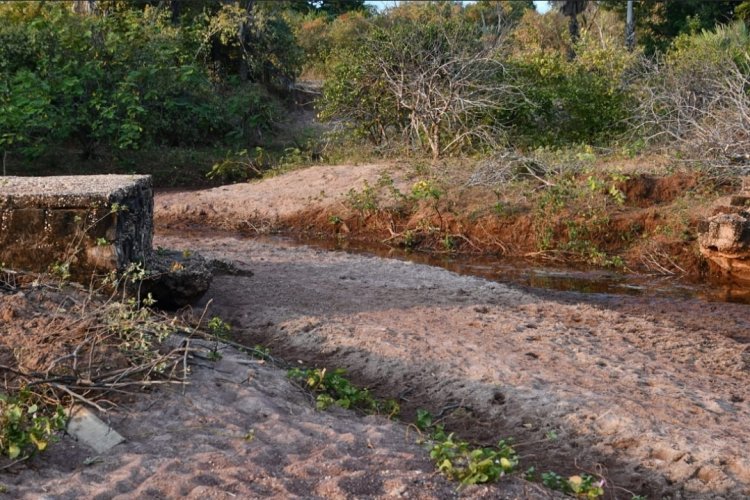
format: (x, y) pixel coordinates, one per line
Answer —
(652, 229)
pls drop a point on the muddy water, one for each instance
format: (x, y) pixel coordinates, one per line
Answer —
(532, 274)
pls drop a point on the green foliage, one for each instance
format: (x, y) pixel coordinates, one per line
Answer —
(239, 166)
(219, 328)
(658, 23)
(364, 201)
(25, 426)
(583, 486)
(537, 93)
(572, 101)
(61, 270)
(491, 14)
(571, 215)
(355, 92)
(128, 79)
(425, 190)
(333, 388)
(695, 97)
(254, 40)
(323, 38)
(459, 461)
(701, 55)
(331, 8)
(26, 112)
(422, 77)
(132, 321)
(424, 420)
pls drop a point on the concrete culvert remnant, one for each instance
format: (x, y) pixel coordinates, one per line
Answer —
(725, 237)
(81, 226)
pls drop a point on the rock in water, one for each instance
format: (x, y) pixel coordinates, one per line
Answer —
(724, 239)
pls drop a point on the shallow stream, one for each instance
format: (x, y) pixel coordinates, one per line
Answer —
(533, 274)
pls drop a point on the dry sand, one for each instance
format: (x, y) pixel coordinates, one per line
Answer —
(262, 205)
(657, 405)
(242, 430)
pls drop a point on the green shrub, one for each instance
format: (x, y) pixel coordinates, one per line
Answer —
(424, 79)
(333, 388)
(25, 426)
(129, 79)
(584, 100)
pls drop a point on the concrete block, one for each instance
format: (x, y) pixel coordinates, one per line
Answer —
(96, 224)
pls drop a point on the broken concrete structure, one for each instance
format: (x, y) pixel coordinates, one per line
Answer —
(82, 226)
(79, 224)
(724, 238)
(176, 278)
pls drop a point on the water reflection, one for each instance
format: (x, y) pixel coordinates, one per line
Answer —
(532, 274)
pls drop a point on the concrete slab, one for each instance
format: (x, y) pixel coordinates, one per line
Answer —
(85, 426)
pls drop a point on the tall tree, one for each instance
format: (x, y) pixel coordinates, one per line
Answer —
(630, 27)
(658, 22)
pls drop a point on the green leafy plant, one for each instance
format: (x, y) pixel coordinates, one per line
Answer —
(25, 426)
(241, 165)
(364, 201)
(61, 270)
(425, 190)
(332, 388)
(424, 420)
(219, 328)
(214, 355)
(261, 352)
(461, 462)
(580, 486)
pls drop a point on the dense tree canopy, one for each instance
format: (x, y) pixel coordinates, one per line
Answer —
(438, 77)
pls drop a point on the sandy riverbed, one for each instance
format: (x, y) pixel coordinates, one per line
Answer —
(656, 403)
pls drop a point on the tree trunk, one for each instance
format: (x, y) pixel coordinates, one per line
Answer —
(630, 28)
(571, 9)
(435, 142)
(84, 7)
(176, 7)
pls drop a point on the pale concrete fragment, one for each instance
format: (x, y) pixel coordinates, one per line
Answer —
(724, 239)
(85, 426)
